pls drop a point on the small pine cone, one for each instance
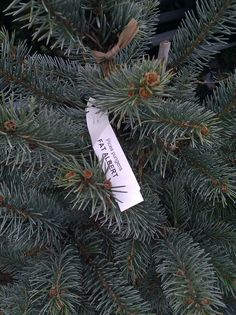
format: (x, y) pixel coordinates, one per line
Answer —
(87, 174)
(107, 184)
(206, 301)
(131, 87)
(152, 78)
(180, 273)
(204, 131)
(131, 94)
(189, 301)
(1, 199)
(224, 188)
(215, 183)
(10, 125)
(144, 93)
(53, 292)
(70, 175)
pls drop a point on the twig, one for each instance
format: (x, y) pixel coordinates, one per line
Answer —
(163, 53)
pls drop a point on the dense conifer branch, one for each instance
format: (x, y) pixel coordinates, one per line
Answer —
(212, 178)
(201, 295)
(73, 250)
(25, 84)
(35, 75)
(198, 31)
(103, 281)
(150, 288)
(120, 297)
(37, 140)
(156, 153)
(45, 10)
(38, 143)
(69, 24)
(60, 284)
(22, 212)
(59, 17)
(142, 216)
(18, 296)
(223, 99)
(35, 251)
(26, 223)
(230, 107)
(132, 257)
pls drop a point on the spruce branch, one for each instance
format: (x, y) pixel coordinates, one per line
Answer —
(151, 290)
(130, 91)
(86, 184)
(14, 257)
(202, 34)
(132, 257)
(73, 250)
(141, 222)
(56, 282)
(18, 296)
(211, 178)
(30, 75)
(216, 232)
(55, 24)
(223, 99)
(11, 258)
(174, 197)
(37, 139)
(175, 121)
(224, 266)
(181, 263)
(78, 27)
(21, 223)
(216, 236)
(111, 292)
(156, 154)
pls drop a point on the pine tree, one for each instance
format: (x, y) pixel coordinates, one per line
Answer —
(66, 248)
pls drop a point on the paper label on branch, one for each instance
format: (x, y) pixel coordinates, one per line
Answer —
(108, 149)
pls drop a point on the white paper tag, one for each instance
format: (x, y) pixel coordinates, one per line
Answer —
(108, 149)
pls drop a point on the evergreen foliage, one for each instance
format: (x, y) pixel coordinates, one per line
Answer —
(66, 248)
